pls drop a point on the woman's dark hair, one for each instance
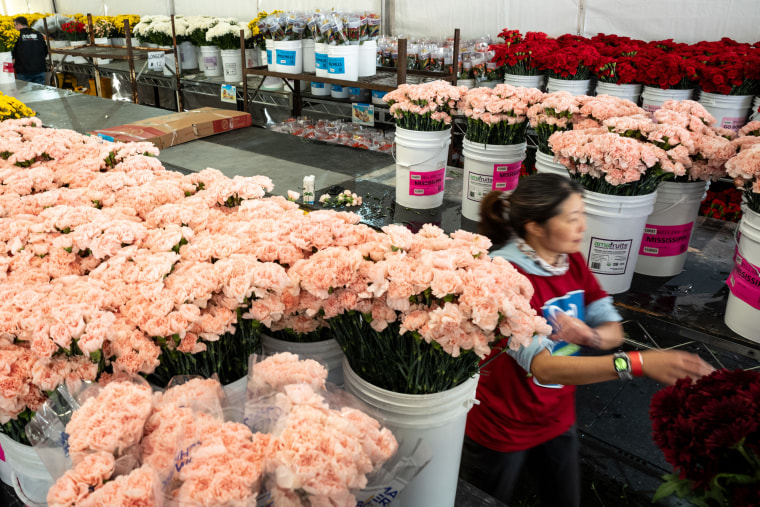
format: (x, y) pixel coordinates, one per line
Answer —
(537, 198)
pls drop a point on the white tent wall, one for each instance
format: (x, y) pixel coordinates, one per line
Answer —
(13, 7)
(681, 20)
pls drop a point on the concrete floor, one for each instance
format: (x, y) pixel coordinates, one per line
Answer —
(621, 464)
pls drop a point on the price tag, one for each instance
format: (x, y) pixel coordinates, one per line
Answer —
(229, 93)
(363, 114)
(156, 60)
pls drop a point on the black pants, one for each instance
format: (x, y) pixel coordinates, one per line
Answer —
(554, 465)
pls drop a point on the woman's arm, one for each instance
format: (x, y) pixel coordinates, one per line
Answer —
(665, 366)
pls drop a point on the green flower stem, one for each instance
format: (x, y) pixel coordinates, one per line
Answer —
(399, 363)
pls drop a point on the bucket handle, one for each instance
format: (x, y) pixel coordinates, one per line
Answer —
(393, 154)
(665, 210)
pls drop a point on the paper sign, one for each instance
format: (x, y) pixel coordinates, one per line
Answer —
(427, 182)
(505, 176)
(286, 58)
(156, 60)
(229, 93)
(363, 114)
(665, 240)
(609, 256)
(336, 65)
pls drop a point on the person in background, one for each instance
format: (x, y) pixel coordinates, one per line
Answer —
(526, 415)
(29, 53)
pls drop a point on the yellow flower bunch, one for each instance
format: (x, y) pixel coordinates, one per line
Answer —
(254, 23)
(119, 21)
(12, 108)
(81, 18)
(31, 18)
(8, 34)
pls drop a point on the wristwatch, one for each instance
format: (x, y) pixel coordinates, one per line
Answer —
(622, 364)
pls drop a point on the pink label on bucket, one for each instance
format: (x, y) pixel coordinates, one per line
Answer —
(733, 123)
(650, 108)
(426, 183)
(665, 240)
(744, 281)
(2, 453)
(505, 176)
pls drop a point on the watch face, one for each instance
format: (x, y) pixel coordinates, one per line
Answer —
(620, 364)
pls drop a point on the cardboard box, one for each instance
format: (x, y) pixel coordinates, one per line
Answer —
(177, 128)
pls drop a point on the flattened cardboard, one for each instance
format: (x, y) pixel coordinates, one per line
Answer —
(177, 128)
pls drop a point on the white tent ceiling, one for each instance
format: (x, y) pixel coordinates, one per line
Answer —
(681, 20)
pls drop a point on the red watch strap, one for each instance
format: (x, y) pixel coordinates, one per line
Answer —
(637, 363)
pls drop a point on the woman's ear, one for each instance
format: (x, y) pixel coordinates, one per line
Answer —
(534, 229)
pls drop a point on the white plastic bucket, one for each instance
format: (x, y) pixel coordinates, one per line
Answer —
(232, 65)
(77, 44)
(7, 74)
(546, 164)
(327, 352)
(339, 92)
(668, 229)
(188, 55)
(271, 60)
(117, 41)
(467, 83)
(730, 111)
(5, 469)
(614, 229)
(436, 419)
(488, 167)
(57, 44)
(320, 59)
(250, 58)
(368, 58)
(755, 110)
(525, 81)
(169, 69)
(343, 62)
(653, 98)
(102, 41)
(358, 94)
(289, 54)
(309, 62)
(29, 477)
(630, 92)
(377, 97)
(320, 89)
(212, 61)
(743, 307)
(421, 167)
(573, 86)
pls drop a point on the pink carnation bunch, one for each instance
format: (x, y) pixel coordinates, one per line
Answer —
(424, 107)
(498, 115)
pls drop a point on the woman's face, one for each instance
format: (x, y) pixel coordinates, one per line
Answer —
(563, 233)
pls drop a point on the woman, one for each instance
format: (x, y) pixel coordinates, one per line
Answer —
(526, 414)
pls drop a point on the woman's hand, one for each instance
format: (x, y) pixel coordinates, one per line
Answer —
(571, 330)
(667, 366)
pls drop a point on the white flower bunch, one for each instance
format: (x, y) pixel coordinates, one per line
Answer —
(202, 22)
(223, 28)
(164, 27)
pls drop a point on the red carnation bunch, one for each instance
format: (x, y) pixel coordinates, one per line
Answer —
(617, 62)
(728, 67)
(74, 30)
(573, 59)
(709, 432)
(722, 205)
(666, 69)
(522, 56)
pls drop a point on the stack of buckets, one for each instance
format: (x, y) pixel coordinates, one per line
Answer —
(743, 308)
(488, 167)
(614, 230)
(668, 229)
(421, 167)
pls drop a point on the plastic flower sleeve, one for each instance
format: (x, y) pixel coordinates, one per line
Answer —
(373, 27)
(75, 424)
(363, 28)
